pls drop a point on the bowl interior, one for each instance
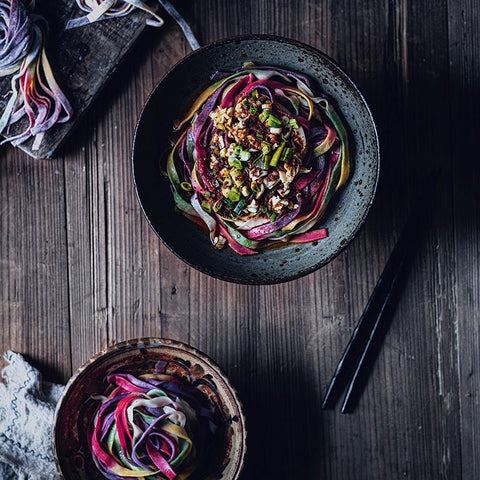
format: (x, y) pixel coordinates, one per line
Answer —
(72, 454)
(173, 96)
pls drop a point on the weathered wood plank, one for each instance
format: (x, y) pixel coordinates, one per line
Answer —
(464, 48)
(134, 254)
(34, 299)
(87, 253)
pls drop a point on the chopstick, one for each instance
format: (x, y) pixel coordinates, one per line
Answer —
(360, 352)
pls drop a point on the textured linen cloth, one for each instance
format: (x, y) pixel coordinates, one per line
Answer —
(27, 406)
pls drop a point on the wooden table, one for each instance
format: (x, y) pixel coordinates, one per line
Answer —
(81, 269)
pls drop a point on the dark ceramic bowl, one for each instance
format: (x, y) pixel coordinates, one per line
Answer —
(72, 455)
(172, 96)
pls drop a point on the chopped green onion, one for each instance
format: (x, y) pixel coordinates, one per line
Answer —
(253, 109)
(245, 156)
(259, 135)
(294, 123)
(245, 191)
(238, 149)
(286, 153)
(272, 216)
(266, 162)
(264, 115)
(235, 162)
(273, 121)
(237, 176)
(207, 194)
(229, 203)
(238, 181)
(258, 162)
(255, 94)
(266, 148)
(275, 130)
(238, 209)
(187, 186)
(234, 195)
(206, 206)
(276, 155)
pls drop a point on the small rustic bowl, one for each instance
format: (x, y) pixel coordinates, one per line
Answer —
(172, 96)
(72, 455)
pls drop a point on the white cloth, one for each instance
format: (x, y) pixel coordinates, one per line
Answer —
(27, 406)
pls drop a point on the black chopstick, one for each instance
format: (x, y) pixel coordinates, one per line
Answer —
(360, 375)
(352, 369)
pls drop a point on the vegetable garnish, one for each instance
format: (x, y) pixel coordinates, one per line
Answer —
(35, 92)
(263, 156)
(152, 426)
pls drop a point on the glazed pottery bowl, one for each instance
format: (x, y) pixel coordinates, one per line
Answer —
(75, 410)
(172, 96)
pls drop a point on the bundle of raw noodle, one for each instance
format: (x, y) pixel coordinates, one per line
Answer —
(35, 92)
(103, 9)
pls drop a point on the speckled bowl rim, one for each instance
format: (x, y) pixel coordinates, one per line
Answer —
(151, 342)
(341, 71)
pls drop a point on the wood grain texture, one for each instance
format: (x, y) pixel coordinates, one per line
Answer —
(80, 268)
(35, 297)
(464, 45)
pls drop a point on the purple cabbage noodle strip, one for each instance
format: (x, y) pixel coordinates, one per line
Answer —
(16, 32)
(35, 92)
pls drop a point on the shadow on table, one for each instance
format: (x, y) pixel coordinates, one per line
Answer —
(284, 428)
(430, 122)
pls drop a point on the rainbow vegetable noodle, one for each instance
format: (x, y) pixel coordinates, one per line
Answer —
(97, 10)
(35, 92)
(257, 159)
(153, 426)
